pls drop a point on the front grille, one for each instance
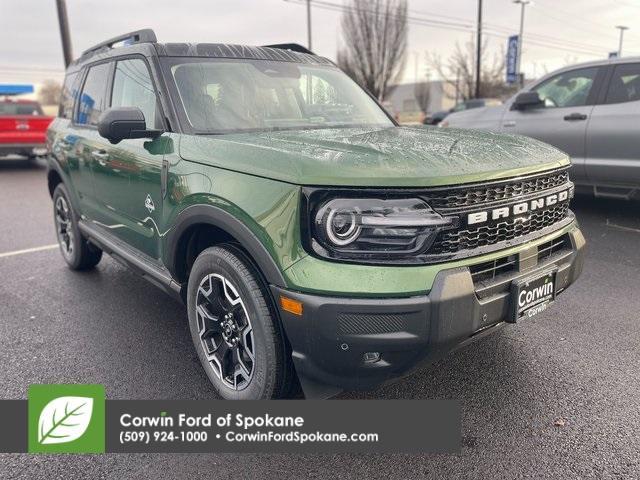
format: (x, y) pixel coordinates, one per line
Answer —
(488, 271)
(505, 191)
(451, 242)
(546, 250)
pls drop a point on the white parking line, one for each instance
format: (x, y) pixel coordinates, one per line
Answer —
(29, 250)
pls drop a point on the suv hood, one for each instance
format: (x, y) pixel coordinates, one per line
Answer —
(388, 157)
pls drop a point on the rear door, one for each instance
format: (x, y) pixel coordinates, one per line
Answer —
(613, 134)
(127, 176)
(66, 145)
(569, 99)
(87, 143)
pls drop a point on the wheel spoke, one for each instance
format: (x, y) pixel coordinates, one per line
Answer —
(242, 364)
(222, 356)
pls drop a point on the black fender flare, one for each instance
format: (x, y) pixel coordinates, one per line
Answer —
(53, 165)
(217, 217)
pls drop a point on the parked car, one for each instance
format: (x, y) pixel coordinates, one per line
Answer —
(437, 117)
(591, 111)
(23, 128)
(310, 236)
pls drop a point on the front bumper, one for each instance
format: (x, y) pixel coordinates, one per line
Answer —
(329, 340)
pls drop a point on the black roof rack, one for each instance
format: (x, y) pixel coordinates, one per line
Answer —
(145, 35)
(294, 47)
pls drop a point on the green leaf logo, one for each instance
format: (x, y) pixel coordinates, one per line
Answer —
(64, 419)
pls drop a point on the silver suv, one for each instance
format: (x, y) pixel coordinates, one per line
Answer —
(591, 111)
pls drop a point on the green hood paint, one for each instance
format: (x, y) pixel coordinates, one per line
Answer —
(369, 157)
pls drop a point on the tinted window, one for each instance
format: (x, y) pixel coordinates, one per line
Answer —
(568, 89)
(132, 87)
(625, 84)
(20, 108)
(92, 98)
(69, 92)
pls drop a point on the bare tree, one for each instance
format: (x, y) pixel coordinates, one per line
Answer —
(49, 92)
(459, 73)
(375, 35)
(422, 93)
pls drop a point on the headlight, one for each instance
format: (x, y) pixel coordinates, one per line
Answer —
(374, 229)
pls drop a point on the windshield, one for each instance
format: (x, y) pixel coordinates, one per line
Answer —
(21, 108)
(222, 96)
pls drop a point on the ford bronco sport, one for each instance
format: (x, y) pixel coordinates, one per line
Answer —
(314, 241)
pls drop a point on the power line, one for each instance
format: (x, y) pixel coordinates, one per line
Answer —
(497, 31)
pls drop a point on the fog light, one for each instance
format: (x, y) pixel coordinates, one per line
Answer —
(371, 357)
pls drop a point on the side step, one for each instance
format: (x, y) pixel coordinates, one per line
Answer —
(140, 263)
(619, 193)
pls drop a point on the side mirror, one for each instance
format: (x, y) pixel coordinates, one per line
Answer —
(120, 123)
(527, 100)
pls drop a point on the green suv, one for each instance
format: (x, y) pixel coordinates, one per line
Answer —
(315, 243)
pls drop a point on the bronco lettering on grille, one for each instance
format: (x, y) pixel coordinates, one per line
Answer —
(518, 208)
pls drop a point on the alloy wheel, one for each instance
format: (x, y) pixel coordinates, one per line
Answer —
(64, 227)
(226, 334)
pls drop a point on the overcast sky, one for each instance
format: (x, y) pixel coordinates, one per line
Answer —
(556, 32)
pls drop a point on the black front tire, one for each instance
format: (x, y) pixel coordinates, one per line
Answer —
(227, 297)
(76, 250)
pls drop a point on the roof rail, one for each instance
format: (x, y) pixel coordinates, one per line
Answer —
(145, 35)
(294, 47)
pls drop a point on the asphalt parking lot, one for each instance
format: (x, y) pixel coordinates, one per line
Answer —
(576, 364)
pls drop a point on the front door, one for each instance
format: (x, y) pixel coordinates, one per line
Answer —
(562, 121)
(127, 176)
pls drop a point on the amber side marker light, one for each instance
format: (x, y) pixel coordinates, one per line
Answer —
(291, 306)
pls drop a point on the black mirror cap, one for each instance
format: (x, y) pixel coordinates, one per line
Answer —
(120, 123)
(527, 100)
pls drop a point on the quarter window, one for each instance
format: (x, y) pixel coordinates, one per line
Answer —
(568, 89)
(92, 98)
(625, 84)
(132, 87)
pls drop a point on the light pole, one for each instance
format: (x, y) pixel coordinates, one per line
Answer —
(309, 24)
(479, 50)
(523, 4)
(622, 28)
(63, 22)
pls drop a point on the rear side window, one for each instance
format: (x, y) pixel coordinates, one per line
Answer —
(92, 97)
(625, 84)
(132, 87)
(69, 92)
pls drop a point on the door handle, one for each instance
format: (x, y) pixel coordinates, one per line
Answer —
(575, 116)
(101, 156)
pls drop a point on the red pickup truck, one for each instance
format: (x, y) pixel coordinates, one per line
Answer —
(23, 128)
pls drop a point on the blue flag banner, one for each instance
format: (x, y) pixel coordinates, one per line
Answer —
(512, 59)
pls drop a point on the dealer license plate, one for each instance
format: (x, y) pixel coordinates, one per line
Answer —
(533, 295)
